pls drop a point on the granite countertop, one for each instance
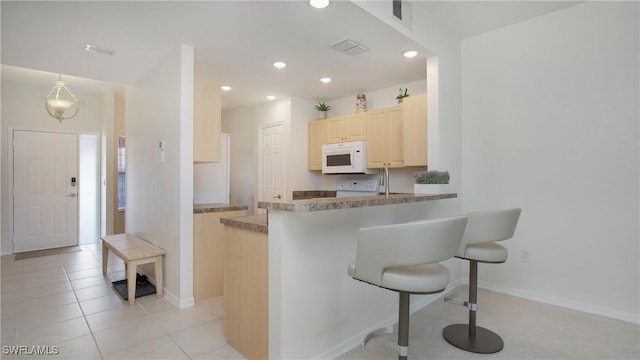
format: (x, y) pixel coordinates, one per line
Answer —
(323, 204)
(215, 207)
(253, 222)
(313, 194)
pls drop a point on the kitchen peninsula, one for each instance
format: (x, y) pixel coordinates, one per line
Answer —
(313, 308)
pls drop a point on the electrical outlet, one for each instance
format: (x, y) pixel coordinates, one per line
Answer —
(525, 256)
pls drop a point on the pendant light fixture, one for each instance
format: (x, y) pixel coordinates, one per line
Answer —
(59, 100)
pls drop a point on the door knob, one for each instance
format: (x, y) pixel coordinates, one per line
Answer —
(278, 196)
(72, 195)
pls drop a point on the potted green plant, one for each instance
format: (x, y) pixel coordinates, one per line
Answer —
(402, 95)
(322, 110)
(431, 182)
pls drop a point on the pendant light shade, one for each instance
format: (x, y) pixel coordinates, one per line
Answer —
(59, 100)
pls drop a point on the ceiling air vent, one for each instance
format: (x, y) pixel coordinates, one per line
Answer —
(401, 11)
(350, 47)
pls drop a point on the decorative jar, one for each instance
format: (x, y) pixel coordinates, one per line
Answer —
(361, 103)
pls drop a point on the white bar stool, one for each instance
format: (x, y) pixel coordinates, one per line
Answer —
(478, 245)
(404, 258)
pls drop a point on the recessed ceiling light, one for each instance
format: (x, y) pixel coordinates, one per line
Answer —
(325, 80)
(225, 87)
(319, 4)
(280, 64)
(410, 53)
(99, 50)
(271, 97)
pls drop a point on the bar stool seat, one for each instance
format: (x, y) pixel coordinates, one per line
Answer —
(414, 279)
(483, 229)
(488, 252)
(405, 258)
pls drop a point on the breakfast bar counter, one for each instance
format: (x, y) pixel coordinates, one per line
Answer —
(315, 309)
(287, 292)
(335, 203)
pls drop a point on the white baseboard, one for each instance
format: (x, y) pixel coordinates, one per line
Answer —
(557, 301)
(174, 300)
(356, 340)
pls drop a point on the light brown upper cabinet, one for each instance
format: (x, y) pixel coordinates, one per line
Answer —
(345, 128)
(314, 145)
(207, 119)
(396, 136)
(385, 138)
(414, 145)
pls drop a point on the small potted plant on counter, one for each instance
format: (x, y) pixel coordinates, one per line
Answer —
(402, 95)
(431, 182)
(322, 110)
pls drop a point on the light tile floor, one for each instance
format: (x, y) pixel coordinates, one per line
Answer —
(64, 300)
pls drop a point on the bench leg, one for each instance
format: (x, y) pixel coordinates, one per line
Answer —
(105, 258)
(159, 277)
(131, 283)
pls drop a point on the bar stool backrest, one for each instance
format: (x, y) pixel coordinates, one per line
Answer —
(489, 226)
(407, 244)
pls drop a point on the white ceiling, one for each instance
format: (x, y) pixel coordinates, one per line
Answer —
(236, 42)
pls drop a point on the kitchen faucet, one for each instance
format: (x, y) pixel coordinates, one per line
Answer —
(384, 181)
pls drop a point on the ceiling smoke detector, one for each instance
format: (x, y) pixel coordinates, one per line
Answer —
(350, 47)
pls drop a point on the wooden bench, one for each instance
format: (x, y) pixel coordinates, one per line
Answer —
(133, 251)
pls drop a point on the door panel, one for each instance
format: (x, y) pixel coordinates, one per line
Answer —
(45, 202)
(271, 182)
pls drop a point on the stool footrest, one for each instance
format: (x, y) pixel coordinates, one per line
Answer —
(485, 341)
(379, 333)
(453, 299)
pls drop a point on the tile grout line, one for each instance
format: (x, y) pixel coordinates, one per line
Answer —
(84, 316)
(147, 313)
(153, 319)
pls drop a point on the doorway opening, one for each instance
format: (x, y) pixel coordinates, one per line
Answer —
(89, 196)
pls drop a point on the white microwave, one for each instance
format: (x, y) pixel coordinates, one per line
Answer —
(345, 158)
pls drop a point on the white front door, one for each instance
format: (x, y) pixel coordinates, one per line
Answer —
(271, 164)
(45, 190)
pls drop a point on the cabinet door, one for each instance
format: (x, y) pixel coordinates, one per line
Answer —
(355, 127)
(207, 119)
(208, 253)
(334, 130)
(394, 139)
(376, 126)
(414, 110)
(314, 145)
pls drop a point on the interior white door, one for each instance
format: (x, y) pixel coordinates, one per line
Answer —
(271, 164)
(45, 190)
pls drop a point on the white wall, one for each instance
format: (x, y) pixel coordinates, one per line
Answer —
(239, 124)
(160, 195)
(551, 125)
(22, 108)
(377, 99)
(302, 112)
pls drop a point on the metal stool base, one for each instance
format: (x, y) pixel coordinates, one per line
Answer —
(485, 341)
